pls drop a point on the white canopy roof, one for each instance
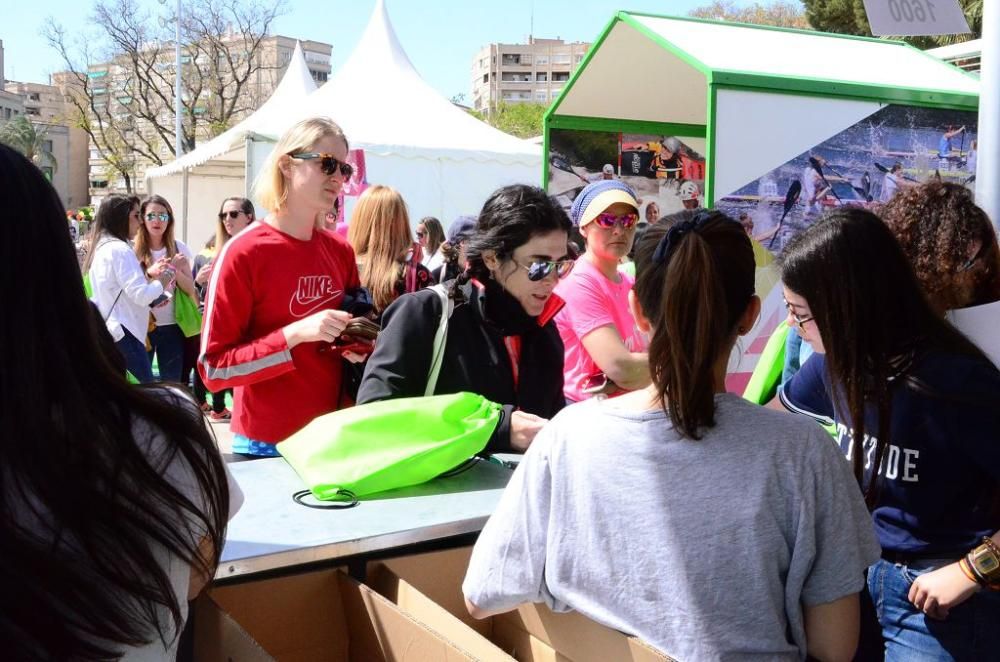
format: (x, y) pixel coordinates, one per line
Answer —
(384, 106)
(295, 86)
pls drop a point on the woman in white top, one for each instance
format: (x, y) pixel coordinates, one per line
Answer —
(120, 289)
(430, 236)
(707, 526)
(114, 497)
(156, 248)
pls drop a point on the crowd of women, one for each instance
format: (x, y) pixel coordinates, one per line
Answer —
(648, 497)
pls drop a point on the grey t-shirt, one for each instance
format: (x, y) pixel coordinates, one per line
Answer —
(706, 549)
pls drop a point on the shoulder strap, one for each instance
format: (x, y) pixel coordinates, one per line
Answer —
(440, 337)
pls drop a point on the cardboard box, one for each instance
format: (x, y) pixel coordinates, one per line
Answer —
(322, 616)
(429, 587)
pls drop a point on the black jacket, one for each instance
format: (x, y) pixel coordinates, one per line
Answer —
(475, 358)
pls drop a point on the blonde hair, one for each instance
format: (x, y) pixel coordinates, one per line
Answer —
(271, 189)
(379, 232)
(143, 247)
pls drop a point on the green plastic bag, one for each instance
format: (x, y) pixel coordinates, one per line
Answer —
(88, 289)
(380, 446)
(187, 314)
(763, 384)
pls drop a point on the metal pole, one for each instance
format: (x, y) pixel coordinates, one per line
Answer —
(178, 141)
(988, 165)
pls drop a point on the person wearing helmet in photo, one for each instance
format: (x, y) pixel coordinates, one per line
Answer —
(689, 194)
(608, 171)
(667, 162)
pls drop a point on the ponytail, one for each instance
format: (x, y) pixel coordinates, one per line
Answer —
(695, 280)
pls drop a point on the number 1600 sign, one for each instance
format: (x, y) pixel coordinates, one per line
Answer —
(912, 10)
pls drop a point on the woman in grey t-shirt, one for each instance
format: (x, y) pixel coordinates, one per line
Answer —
(705, 525)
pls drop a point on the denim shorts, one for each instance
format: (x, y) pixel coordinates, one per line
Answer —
(971, 631)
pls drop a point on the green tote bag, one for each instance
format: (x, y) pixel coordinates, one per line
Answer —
(379, 446)
(187, 314)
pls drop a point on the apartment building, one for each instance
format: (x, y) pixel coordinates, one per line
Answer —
(108, 81)
(534, 72)
(64, 148)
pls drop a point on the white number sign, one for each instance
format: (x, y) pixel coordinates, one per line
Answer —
(915, 17)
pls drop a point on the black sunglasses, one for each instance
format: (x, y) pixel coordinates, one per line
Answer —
(328, 163)
(540, 269)
(233, 214)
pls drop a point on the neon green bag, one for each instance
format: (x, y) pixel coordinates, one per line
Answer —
(187, 314)
(763, 384)
(88, 289)
(380, 446)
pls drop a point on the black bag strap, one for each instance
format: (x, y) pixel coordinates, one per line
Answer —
(299, 497)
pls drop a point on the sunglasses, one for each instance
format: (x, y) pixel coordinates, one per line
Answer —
(162, 216)
(541, 269)
(607, 220)
(232, 214)
(799, 321)
(968, 264)
(421, 234)
(328, 163)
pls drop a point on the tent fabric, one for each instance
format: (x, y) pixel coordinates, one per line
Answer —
(295, 86)
(385, 107)
(805, 54)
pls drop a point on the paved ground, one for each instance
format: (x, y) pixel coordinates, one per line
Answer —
(225, 439)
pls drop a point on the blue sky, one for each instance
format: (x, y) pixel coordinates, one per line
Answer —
(440, 36)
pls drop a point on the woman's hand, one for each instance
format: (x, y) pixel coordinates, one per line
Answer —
(157, 268)
(180, 263)
(204, 274)
(936, 592)
(523, 428)
(324, 326)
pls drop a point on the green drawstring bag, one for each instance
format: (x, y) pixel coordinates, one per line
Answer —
(88, 289)
(763, 384)
(371, 448)
(187, 314)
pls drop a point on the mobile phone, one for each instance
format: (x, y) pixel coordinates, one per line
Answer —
(163, 298)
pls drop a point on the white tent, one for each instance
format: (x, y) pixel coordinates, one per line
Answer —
(198, 181)
(441, 159)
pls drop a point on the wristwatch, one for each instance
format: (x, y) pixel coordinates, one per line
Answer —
(985, 563)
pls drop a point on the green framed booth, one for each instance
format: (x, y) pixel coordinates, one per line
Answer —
(743, 111)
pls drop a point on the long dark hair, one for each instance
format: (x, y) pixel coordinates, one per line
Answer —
(511, 216)
(871, 314)
(694, 281)
(86, 512)
(112, 220)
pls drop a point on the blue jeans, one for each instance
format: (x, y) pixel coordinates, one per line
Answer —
(167, 343)
(971, 631)
(136, 359)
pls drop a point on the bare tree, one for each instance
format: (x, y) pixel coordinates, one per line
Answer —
(778, 13)
(120, 78)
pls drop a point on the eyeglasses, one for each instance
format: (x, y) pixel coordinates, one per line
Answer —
(607, 220)
(162, 216)
(799, 321)
(233, 214)
(328, 163)
(541, 269)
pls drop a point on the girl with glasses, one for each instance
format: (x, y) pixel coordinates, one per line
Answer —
(604, 351)
(501, 342)
(915, 408)
(273, 306)
(158, 250)
(120, 288)
(705, 525)
(430, 236)
(234, 215)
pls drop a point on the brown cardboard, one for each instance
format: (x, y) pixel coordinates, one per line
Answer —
(533, 633)
(322, 616)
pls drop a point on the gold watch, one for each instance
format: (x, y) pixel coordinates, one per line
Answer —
(986, 563)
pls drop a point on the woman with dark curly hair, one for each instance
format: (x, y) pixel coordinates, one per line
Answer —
(950, 242)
